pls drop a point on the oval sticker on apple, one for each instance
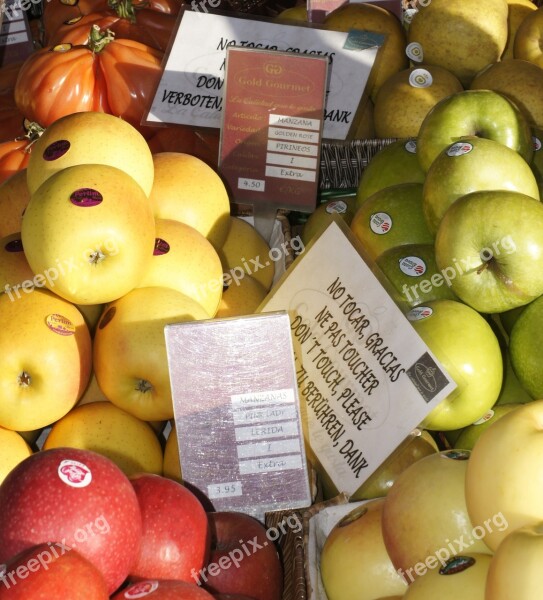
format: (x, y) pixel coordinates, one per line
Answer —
(412, 266)
(14, 246)
(74, 473)
(141, 589)
(336, 206)
(86, 197)
(414, 52)
(456, 454)
(457, 564)
(537, 143)
(420, 78)
(486, 417)
(380, 223)
(56, 150)
(353, 516)
(411, 146)
(161, 247)
(418, 313)
(459, 149)
(106, 318)
(59, 324)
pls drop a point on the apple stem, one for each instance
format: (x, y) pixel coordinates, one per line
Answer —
(24, 379)
(96, 257)
(482, 267)
(144, 386)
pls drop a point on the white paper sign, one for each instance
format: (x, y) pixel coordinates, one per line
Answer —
(190, 90)
(366, 379)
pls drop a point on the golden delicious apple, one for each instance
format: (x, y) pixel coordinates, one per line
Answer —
(425, 515)
(520, 81)
(406, 97)
(518, 10)
(130, 360)
(90, 138)
(14, 198)
(337, 208)
(104, 428)
(365, 120)
(461, 577)
(241, 298)
(453, 35)
(391, 56)
(187, 189)
(529, 37)
(504, 482)
(515, 568)
(89, 233)
(14, 268)
(354, 563)
(46, 353)
(186, 261)
(13, 450)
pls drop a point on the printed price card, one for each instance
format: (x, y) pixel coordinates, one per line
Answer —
(237, 412)
(366, 379)
(190, 91)
(272, 125)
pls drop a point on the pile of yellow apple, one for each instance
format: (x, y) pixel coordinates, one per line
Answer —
(102, 244)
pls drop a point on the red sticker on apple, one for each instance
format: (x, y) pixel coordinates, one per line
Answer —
(161, 247)
(141, 589)
(380, 223)
(86, 197)
(14, 246)
(56, 150)
(336, 206)
(59, 324)
(74, 473)
(413, 266)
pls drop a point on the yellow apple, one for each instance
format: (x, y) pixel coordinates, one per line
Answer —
(46, 353)
(130, 360)
(293, 13)
(90, 138)
(515, 569)
(15, 272)
(453, 35)
(89, 233)
(469, 435)
(518, 10)
(246, 252)
(354, 563)
(186, 261)
(520, 81)
(528, 38)
(14, 198)
(187, 189)
(337, 208)
(425, 514)
(406, 97)
(104, 428)
(13, 450)
(462, 577)
(514, 490)
(242, 298)
(171, 466)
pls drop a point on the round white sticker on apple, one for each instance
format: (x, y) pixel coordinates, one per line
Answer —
(413, 266)
(336, 206)
(537, 143)
(414, 52)
(418, 313)
(74, 473)
(380, 223)
(141, 589)
(411, 146)
(420, 78)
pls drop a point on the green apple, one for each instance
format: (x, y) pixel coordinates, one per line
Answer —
(470, 434)
(537, 159)
(481, 113)
(504, 478)
(512, 391)
(491, 244)
(469, 165)
(393, 164)
(354, 563)
(525, 348)
(391, 217)
(406, 97)
(509, 317)
(515, 568)
(337, 208)
(461, 577)
(381, 480)
(413, 272)
(424, 510)
(454, 36)
(469, 350)
(520, 81)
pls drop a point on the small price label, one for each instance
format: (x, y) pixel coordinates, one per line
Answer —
(224, 490)
(255, 185)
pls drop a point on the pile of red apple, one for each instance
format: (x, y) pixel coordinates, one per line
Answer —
(73, 526)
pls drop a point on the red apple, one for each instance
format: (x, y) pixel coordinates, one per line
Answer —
(47, 571)
(79, 498)
(175, 541)
(232, 597)
(243, 559)
(166, 589)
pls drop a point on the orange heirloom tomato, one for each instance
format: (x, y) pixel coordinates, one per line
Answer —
(117, 76)
(14, 154)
